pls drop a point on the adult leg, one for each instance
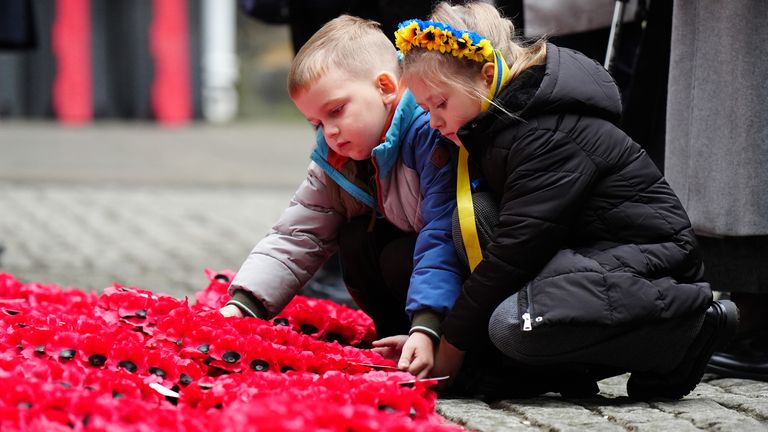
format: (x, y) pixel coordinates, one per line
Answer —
(360, 253)
(716, 161)
(736, 265)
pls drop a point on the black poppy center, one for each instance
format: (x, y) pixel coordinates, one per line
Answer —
(154, 370)
(259, 365)
(230, 357)
(97, 360)
(128, 365)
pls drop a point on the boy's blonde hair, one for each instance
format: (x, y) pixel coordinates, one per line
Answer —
(346, 43)
(439, 69)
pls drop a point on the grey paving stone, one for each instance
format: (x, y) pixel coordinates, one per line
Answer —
(554, 413)
(709, 415)
(477, 415)
(749, 397)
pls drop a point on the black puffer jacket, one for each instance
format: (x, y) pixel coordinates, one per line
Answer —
(578, 196)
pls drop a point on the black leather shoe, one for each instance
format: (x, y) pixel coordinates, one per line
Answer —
(745, 357)
(720, 322)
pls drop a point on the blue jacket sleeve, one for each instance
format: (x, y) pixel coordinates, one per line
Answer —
(437, 274)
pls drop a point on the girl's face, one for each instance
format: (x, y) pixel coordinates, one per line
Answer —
(450, 106)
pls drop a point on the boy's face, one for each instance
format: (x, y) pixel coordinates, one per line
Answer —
(351, 111)
(449, 107)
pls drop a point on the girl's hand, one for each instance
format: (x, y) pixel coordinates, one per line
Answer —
(448, 363)
(230, 311)
(418, 355)
(390, 347)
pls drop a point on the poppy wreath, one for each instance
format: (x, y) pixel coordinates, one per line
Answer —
(129, 359)
(321, 319)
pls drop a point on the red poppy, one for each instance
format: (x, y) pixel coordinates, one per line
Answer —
(215, 294)
(76, 361)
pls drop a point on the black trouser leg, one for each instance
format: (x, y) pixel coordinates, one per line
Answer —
(376, 267)
(655, 347)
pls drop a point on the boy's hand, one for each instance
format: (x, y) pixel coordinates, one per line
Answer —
(448, 363)
(230, 311)
(390, 347)
(418, 355)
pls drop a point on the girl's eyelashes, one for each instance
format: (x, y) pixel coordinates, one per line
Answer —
(337, 110)
(439, 105)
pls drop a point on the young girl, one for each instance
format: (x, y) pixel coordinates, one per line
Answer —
(592, 267)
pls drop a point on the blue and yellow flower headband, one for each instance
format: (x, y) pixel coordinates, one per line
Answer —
(442, 38)
(437, 36)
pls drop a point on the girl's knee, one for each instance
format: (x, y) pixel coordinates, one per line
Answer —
(504, 326)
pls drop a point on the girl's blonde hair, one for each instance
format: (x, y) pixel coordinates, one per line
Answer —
(438, 69)
(346, 43)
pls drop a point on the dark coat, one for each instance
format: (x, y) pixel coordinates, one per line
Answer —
(17, 25)
(717, 121)
(580, 197)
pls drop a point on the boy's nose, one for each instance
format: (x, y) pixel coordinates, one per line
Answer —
(330, 131)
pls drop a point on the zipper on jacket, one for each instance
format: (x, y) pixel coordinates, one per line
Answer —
(527, 322)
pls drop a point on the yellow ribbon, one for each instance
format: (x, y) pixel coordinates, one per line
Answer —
(500, 79)
(463, 187)
(467, 212)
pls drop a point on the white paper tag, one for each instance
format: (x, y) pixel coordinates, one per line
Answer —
(165, 391)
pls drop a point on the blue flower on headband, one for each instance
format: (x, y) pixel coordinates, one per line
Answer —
(441, 37)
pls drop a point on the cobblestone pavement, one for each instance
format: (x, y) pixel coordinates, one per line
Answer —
(158, 238)
(125, 204)
(141, 205)
(715, 405)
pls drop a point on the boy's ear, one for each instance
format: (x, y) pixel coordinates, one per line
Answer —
(486, 73)
(388, 86)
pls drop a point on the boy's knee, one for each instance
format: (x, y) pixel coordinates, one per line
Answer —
(354, 234)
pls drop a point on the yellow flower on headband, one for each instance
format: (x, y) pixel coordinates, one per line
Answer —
(485, 49)
(462, 46)
(441, 37)
(405, 37)
(432, 38)
(481, 51)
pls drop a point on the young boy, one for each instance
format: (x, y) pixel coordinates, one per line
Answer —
(380, 188)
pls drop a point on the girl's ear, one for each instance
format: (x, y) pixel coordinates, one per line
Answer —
(486, 74)
(388, 86)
